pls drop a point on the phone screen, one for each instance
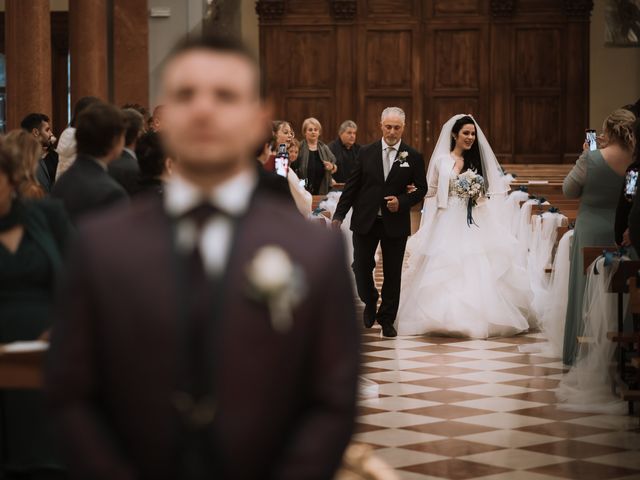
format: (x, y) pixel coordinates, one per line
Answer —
(631, 184)
(282, 161)
(592, 140)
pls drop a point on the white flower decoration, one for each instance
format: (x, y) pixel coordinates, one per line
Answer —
(275, 280)
(403, 155)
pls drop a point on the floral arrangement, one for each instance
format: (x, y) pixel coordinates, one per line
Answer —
(469, 185)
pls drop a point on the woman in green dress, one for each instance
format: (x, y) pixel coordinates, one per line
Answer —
(33, 235)
(596, 179)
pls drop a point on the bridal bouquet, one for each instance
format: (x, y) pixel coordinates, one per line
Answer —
(469, 185)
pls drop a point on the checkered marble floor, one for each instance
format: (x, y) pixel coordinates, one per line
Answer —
(459, 409)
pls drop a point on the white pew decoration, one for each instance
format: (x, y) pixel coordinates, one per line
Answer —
(552, 320)
(587, 386)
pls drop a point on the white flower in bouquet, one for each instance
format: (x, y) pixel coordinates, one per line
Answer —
(469, 185)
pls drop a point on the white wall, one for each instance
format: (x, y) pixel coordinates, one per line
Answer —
(614, 72)
(186, 17)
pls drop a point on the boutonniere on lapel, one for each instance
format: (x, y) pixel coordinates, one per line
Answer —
(276, 281)
(402, 159)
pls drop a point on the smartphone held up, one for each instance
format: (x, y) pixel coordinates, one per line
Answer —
(591, 139)
(282, 161)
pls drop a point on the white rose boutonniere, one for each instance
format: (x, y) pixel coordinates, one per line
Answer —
(402, 158)
(275, 280)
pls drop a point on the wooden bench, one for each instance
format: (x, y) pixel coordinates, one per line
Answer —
(21, 369)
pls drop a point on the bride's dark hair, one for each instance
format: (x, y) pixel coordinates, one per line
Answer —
(472, 156)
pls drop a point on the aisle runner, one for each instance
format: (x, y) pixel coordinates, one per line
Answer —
(461, 409)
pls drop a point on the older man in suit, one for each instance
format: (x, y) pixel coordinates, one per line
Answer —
(196, 337)
(377, 191)
(86, 187)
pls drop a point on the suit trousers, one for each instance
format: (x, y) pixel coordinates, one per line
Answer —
(364, 263)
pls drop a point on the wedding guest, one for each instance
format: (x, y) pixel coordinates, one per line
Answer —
(148, 374)
(87, 187)
(125, 169)
(596, 179)
(156, 118)
(141, 110)
(628, 193)
(155, 166)
(38, 125)
(26, 151)
(33, 238)
(282, 134)
(67, 144)
(294, 152)
(316, 163)
(345, 150)
(634, 108)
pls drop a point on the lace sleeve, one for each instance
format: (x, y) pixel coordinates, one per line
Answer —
(432, 179)
(577, 177)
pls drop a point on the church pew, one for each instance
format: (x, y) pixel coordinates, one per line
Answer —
(21, 369)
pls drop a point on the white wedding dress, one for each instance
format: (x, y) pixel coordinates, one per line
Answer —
(463, 280)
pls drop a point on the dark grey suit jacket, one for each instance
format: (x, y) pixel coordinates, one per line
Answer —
(126, 172)
(86, 188)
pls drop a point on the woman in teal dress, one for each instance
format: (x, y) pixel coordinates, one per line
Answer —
(596, 179)
(33, 235)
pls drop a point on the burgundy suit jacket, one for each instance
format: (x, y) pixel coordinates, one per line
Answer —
(285, 401)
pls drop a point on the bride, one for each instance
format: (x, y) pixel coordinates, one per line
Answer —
(463, 277)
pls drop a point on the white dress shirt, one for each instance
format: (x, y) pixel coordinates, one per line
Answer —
(392, 158)
(392, 155)
(232, 197)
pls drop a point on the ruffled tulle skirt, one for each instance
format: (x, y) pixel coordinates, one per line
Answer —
(464, 280)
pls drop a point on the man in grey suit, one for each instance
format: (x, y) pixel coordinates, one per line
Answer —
(125, 169)
(86, 187)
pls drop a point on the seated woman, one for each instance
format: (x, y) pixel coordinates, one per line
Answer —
(316, 163)
(596, 179)
(33, 238)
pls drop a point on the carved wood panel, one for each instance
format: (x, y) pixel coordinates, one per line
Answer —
(538, 58)
(538, 129)
(520, 66)
(388, 59)
(309, 8)
(302, 107)
(458, 59)
(391, 8)
(310, 62)
(459, 7)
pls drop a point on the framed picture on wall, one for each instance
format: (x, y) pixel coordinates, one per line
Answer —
(622, 23)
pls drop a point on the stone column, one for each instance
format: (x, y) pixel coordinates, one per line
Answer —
(28, 59)
(130, 52)
(88, 49)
